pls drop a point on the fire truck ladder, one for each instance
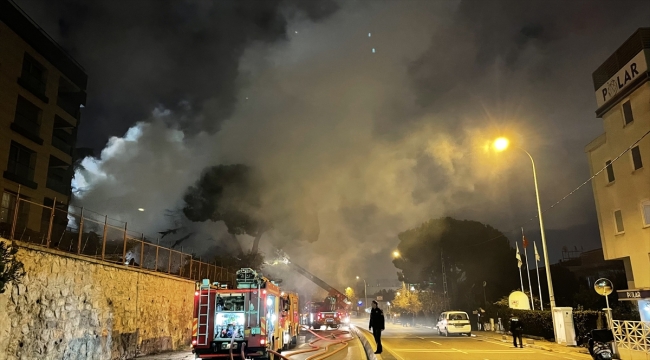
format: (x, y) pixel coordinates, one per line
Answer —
(203, 318)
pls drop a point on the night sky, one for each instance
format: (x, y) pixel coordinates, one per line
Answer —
(373, 114)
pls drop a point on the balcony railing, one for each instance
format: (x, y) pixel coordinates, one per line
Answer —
(85, 233)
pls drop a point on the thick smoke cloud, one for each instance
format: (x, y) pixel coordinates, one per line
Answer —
(182, 55)
(375, 118)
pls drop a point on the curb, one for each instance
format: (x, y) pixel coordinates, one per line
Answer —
(542, 347)
(370, 353)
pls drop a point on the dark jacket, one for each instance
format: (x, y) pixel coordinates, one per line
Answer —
(376, 319)
(516, 324)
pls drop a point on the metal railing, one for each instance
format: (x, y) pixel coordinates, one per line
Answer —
(632, 335)
(86, 233)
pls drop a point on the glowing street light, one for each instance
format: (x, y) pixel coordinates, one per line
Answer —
(396, 254)
(140, 209)
(501, 144)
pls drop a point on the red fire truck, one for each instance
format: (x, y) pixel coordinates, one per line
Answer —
(244, 321)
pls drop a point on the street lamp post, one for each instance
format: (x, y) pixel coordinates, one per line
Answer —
(501, 144)
(365, 294)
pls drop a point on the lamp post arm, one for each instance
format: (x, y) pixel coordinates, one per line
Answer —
(547, 266)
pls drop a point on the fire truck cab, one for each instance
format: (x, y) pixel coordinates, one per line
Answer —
(244, 321)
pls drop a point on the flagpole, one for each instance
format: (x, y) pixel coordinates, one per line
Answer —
(521, 280)
(525, 244)
(539, 285)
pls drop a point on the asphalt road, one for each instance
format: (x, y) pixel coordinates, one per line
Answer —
(407, 343)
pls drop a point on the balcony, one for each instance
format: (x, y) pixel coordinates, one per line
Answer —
(63, 141)
(58, 186)
(21, 174)
(34, 86)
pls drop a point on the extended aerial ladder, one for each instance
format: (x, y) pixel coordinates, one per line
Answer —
(340, 301)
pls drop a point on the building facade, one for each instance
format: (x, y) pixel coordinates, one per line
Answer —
(41, 92)
(622, 152)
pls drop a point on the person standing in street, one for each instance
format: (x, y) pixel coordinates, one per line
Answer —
(376, 324)
(517, 330)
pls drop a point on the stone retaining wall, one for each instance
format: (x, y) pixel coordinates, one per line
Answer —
(71, 307)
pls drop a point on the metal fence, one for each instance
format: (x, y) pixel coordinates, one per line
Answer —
(632, 335)
(89, 234)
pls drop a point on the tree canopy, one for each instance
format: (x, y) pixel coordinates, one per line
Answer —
(472, 253)
(228, 193)
(237, 195)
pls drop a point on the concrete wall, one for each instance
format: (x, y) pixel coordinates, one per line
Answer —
(69, 307)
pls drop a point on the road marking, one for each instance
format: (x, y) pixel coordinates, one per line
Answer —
(437, 343)
(453, 350)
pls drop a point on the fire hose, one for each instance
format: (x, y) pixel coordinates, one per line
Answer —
(331, 337)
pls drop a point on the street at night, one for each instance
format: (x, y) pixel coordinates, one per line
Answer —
(419, 343)
(243, 179)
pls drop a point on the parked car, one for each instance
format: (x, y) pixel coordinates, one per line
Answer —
(454, 322)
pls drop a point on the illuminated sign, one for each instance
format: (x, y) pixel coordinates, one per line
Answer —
(634, 294)
(624, 77)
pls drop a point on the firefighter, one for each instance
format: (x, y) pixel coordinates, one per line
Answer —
(376, 324)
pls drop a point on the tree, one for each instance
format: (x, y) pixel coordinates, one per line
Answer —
(228, 193)
(248, 260)
(432, 302)
(11, 270)
(471, 252)
(407, 301)
(234, 194)
(349, 293)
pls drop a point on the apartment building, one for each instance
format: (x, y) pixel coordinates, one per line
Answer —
(622, 190)
(41, 92)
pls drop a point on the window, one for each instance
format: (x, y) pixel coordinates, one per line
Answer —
(28, 116)
(618, 219)
(62, 137)
(33, 76)
(21, 162)
(627, 112)
(610, 171)
(645, 209)
(7, 205)
(636, 158)
(58, 176)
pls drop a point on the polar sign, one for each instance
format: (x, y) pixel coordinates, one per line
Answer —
(624, 77)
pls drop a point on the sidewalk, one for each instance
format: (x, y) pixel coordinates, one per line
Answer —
(535, 344)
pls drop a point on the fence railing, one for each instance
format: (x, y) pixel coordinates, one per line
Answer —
(89, 234)
(632, 335)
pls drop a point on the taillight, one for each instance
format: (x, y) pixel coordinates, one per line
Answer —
(193, 342)
(262, 342)
(336, 315)
(196, 293)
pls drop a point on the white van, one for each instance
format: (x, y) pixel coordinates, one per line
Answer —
(454, 322)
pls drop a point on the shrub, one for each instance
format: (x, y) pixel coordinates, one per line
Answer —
(540, 323)
(11, 270)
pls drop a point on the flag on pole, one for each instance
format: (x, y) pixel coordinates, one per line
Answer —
(524, 241)
(518, 256)
(537, 258)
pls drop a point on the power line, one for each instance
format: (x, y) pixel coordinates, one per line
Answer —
(572, 191)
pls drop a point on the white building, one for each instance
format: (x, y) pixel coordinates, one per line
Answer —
(622, 191)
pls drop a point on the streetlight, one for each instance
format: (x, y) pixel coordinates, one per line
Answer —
(501, 144)
(396, 254)
(365, 293)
